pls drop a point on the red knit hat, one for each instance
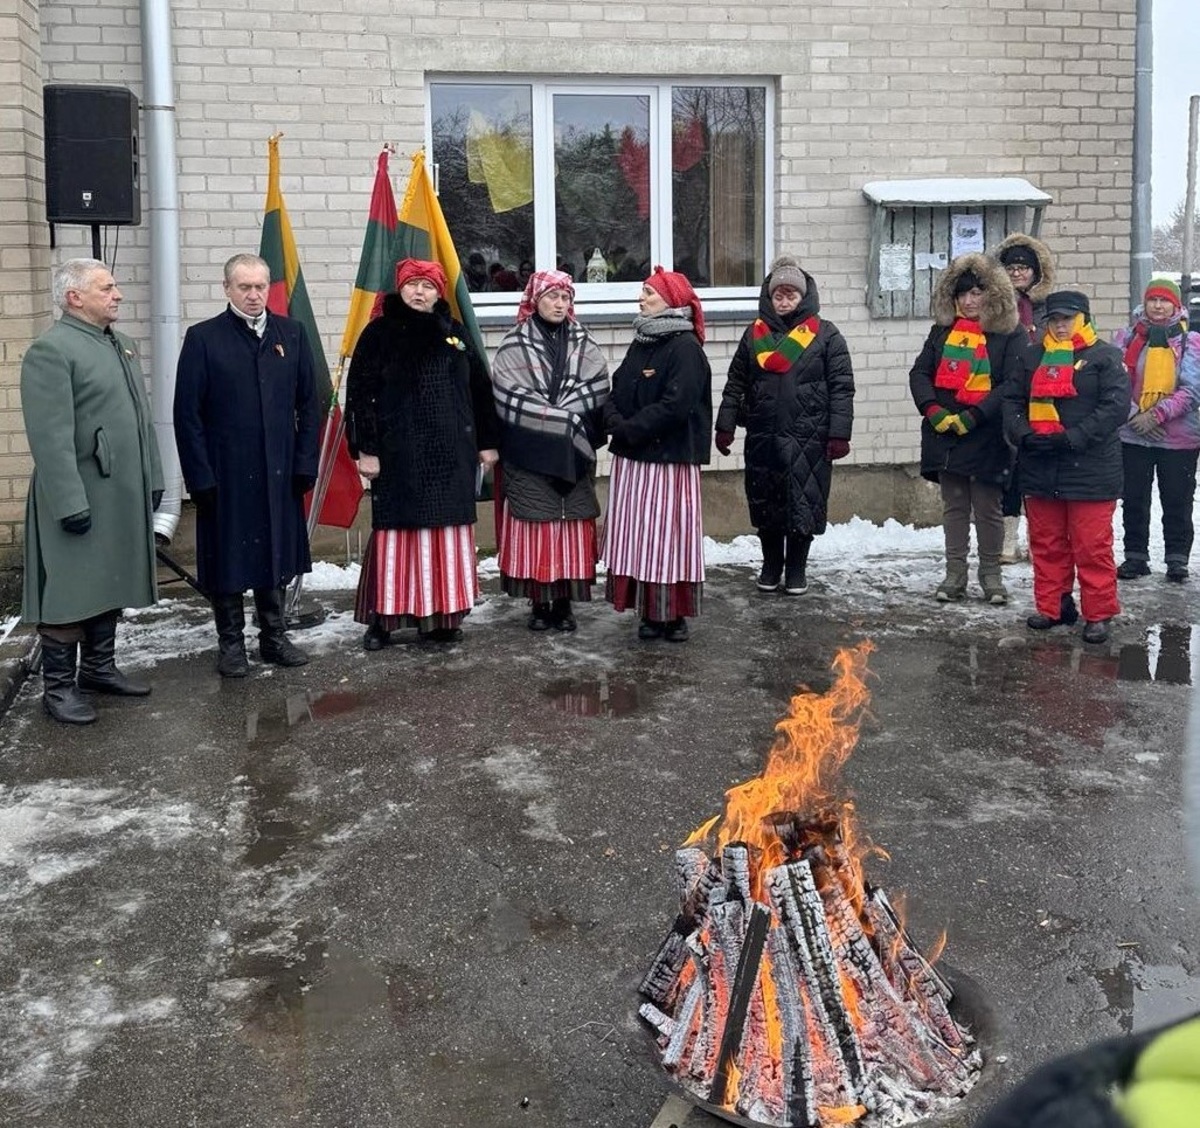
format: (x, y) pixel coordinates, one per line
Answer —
(1166, 289)
(410, 269)
(677, 292)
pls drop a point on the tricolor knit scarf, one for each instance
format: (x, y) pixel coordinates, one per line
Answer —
(1055, 376)
(777, 352)
(1159, 374)
(965, 367)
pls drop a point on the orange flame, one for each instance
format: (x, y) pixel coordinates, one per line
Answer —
(812, 744)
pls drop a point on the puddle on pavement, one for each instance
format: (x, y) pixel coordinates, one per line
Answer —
(602, 696)
(1168, 654)
(1142, 996)
(273, 725)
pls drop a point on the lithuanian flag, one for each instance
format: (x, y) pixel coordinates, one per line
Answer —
(377, 263)
(338, 484)
(422, 234)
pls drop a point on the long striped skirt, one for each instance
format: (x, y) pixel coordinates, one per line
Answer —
(654, 539)
(547, 560)
(421, 578)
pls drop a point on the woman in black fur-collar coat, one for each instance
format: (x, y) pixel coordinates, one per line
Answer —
(419, 420)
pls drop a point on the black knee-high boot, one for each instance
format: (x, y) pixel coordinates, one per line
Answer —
(98, 670)
(795, 579)
(230, 616)
(772, 550)
(273, 643)
(60, 695)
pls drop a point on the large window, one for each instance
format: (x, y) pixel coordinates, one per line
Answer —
(603, 179)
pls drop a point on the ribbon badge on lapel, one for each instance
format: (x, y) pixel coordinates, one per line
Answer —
(279, 349)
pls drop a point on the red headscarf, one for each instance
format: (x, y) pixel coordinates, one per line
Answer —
(539, 282)
(677, 292)
(409, 269)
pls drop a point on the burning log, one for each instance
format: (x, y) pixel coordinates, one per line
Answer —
(787, 991)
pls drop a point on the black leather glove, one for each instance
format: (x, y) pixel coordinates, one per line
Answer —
(302, 483)
(1045, 444)
(156, 497)
(205, 500)
(77, 523)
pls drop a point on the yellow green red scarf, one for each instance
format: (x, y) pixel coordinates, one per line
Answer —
(777, 352)
(1159, 374)
(1054, 378)
(965, 367)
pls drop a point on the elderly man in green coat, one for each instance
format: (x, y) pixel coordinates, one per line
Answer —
(97, 478)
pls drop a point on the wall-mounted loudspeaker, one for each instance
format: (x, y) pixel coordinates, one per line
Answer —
(91, 155)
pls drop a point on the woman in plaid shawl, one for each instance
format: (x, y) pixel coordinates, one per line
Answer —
(549, 378)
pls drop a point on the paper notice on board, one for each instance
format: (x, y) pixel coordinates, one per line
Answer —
(930, 260)
(966, 234)
(895, 266)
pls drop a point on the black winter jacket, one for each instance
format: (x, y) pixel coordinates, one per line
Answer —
(789, 417)
(1089, 467)
(980, 453)
(660, 407)
(424, 406)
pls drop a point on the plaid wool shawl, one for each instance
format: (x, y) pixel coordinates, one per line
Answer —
(545, 406)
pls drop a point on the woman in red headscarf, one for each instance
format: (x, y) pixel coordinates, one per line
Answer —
(419, 420)
(659, 417)
(550, 379)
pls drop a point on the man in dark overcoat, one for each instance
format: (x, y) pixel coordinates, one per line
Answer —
(247, 425)
(97, 478)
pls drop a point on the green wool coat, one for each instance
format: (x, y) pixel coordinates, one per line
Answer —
(88, 422)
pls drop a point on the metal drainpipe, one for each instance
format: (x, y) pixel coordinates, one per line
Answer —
(1141, 241)
(158, 156)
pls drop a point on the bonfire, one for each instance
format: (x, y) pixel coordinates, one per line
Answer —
(788, 991)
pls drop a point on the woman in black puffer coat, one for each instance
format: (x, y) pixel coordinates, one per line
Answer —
(791, 385)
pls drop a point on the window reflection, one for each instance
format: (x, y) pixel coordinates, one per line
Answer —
(483, 147)
(602, 185)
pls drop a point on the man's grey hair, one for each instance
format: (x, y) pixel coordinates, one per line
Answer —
(245, 260)
(72, 275)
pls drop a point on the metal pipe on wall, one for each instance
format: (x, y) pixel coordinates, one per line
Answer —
(1141, 241)
(159, 159)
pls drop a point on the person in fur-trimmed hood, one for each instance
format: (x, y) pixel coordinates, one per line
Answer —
(1030, 268)
(975, 344)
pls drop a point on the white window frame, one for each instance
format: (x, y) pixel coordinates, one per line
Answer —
(542, 90)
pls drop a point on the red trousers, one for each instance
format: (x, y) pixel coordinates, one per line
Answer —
(1069, 538)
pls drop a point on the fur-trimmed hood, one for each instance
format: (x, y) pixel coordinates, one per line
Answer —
(1038, 291)
(999, 313)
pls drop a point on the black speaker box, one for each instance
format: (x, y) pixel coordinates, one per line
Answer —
(91, 155)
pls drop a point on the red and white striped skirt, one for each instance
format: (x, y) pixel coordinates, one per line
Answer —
(654, 530)
(418, 576)
(547, 552)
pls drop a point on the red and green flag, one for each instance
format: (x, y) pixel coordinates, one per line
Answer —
(377, 263)
(338, 484)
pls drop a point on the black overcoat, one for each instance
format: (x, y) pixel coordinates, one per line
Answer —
(1089, 468)
(247, 424)
(660, 407)
(789, 417)
(419, 398)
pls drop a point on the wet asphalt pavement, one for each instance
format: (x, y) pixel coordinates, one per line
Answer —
(419, 887)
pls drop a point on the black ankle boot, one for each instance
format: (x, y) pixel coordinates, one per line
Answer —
(795, 579)
(230, 617)
(60, 696)
(561, 614)
(540, 618)
(97, 663)
(274, 646)
(772, 569)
